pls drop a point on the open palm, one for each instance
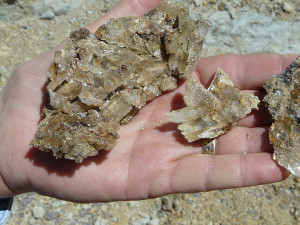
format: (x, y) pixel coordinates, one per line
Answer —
(149, 160)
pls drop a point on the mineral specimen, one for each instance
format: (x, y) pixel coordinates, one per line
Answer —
(213, 111)
(283, 102)
(98, 81)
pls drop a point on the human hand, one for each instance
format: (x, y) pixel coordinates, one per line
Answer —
(145, 163)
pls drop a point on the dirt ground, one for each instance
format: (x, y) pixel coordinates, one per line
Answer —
(30, 27)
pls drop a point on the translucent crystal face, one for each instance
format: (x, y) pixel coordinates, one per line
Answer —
(98, 81)
(283, 102)
(213, 111)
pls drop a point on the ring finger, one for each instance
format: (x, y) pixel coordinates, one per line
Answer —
(242, 140)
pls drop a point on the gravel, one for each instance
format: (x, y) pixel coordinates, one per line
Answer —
(30, 27)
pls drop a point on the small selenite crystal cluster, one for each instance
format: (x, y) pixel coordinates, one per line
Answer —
(283, 101)
(99, 81)
(214, 111)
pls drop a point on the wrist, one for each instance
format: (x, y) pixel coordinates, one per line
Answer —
(5, 191)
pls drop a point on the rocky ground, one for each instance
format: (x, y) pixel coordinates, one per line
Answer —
(30, 27)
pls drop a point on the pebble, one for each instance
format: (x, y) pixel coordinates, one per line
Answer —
(59, 203)
(198, 2)
(48, 15)
(250, 211)
(145, 218)
(221, 6)
(133, 204)
(142, 218)
(288, 191)
(231, 11)
(287, 7)
(38, 212)
(101, 221)
(154, 221)
(166, 204)
(104, 208)
(26, 200)
(32, 221)
(282, 205)
(50, 216)
(293, 210)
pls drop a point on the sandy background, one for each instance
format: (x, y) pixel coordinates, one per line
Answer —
(30, 27)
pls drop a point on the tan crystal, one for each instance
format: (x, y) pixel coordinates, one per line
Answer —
(213, 111)
(283, 101)
(99, 81)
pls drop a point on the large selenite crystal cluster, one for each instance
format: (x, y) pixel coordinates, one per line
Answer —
(213, 111)
(99, 81)
(283, 101)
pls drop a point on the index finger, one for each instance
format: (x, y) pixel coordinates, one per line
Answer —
(247, 72)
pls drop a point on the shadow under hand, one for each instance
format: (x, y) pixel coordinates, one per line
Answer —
(61, 167)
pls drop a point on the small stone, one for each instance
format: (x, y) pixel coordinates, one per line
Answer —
(221, 6)
(134, 204)
(155, 221)
(166, 204)
(51, 215)
(102, 221)
(231, 11)
(198, 2)
(141, 218)
(104, 208)
(32, 221)
(293, 210)
(65, 7)
(38, 212)
(287, 7)
(214, 111)
(48, 15)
